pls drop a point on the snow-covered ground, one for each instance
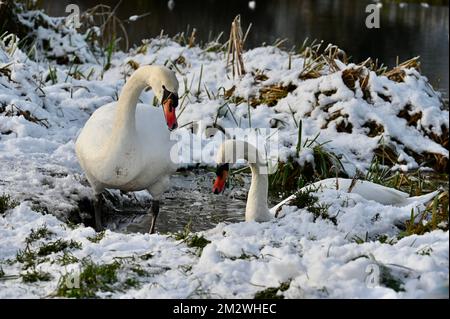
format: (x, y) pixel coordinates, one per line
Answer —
(44, 105)
(316, 259)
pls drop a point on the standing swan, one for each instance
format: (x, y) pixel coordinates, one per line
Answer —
(127, 146)
(256, 210)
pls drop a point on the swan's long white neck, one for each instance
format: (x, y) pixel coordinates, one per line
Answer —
(230, 152)
(121, 151)
(256, 208)
(126, 105)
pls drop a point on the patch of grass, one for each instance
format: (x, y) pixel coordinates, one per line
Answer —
(425, 251)
(291, 176)
(416, 183)
(40, 233)
(387, 279)
(97, 237)
(272, 292)
(197, 241)
(40, 209)
(57, 246)
(384, 239)
(184, 234)
(28, 257)
(35, 275)
(244, 256)
(360, 240)
(192, 240)
(132, 282)
(305, 199)
(6, 203)
(66, 259)
(435, 216)
(377, 173)
(321, 211)
(93, 278)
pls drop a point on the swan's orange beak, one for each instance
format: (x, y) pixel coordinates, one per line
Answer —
(169, 113)
(221, 179)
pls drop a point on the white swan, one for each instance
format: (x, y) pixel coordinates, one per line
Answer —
(257, 210)
(126, 146)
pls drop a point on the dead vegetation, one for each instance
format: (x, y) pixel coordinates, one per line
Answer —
(356, 78)
(14, 110)
(111, 28)
(236, 48)
(271, 94)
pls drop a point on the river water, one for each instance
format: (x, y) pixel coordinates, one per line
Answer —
(405, 30)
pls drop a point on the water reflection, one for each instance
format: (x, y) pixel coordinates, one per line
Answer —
(189, 201)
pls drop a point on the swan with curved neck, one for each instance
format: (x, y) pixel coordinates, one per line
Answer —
(257, 209)
(125, 145)
(231, 151)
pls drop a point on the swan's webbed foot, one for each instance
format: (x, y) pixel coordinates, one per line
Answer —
(154, 210)
(98, 206)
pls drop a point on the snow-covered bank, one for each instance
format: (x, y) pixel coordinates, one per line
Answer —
(43, 106)
(313, 259)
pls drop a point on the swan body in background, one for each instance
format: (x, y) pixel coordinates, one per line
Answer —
(257, 210)
(368, 190)
(125, 145)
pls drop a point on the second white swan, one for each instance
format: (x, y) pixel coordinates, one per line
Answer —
(257, 209)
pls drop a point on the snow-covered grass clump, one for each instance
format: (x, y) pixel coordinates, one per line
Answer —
(317, 104)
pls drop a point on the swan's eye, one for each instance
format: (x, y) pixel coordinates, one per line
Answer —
(222, 168)
(170, 95)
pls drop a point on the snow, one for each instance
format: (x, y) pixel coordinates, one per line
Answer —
(319, 259)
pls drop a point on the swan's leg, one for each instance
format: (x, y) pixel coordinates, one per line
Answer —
(98, 206)
(156, 190)
(98, 188)
(154, 210)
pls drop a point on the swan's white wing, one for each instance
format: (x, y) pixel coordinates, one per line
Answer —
(149, 162)
(421, 199)
(370, 191)
(285, 201)
(97, 130)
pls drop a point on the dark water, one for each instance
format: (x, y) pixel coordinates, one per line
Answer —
(405, 32)
(188, 203)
